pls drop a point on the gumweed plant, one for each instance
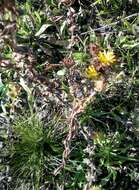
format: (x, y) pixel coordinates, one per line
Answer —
(83, 88)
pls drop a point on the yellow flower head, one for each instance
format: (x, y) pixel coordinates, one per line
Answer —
(99, 137)
(91, 72)
(95, 188)
(107, 58)
(13, 90)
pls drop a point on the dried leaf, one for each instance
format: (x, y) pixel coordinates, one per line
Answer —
(67, 2)
(93, 49)
(99, 84)
(9, 5)
(25, 87)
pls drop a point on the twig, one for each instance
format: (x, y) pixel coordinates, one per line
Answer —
(78, 108)
(112, 24)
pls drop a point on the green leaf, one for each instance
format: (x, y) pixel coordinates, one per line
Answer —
(62, 28)
(38, 18)
(42, 29)
(80, 56)
(2, 89)
(132, 45)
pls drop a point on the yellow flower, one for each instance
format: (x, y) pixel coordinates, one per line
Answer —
(107, 58)
(95, 188)
(99, 137)
(13, 90)
(92, 73)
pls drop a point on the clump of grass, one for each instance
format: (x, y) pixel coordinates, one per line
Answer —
(34, 152)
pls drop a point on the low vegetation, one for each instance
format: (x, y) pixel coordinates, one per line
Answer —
(69, 84)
